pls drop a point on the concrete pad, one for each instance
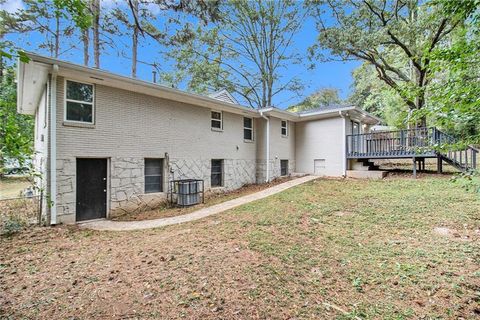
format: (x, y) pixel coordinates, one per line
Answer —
(362, 174)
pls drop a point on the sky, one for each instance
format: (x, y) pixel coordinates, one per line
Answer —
(324, 75)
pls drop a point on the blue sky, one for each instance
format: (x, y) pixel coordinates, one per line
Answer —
(326, 74)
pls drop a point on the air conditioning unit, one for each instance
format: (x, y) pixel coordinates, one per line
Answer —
(186, 192)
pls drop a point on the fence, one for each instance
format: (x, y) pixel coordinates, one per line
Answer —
(24, 210)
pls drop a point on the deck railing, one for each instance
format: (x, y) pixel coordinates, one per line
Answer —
(395, 143)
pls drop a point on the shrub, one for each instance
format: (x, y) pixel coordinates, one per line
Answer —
(11, 225)
(469, 180)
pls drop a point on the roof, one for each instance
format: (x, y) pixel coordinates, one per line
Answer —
(32, 78)
(325, 108)
(223, 95)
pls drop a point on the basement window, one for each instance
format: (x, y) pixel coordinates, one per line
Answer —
(217, 120)
(283, 167)
(248, 129)
(217, 173)
(79, 102)
(153, 175)
(284, 128)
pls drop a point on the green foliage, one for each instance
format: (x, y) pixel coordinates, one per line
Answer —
(469, 180)
(16, 130)
(454, 103)
(395, 38)
(320, 98)
(203, 72)
(27, 20)
(375, 96)
(11, 226)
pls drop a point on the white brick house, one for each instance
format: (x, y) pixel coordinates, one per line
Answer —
(137, 136)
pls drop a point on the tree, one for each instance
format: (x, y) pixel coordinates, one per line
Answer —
(96, 9)
(70, 10)
(376, 97)
(395, 37)
(321, 98)
(245, 51)
(16, 130)
(454, 96)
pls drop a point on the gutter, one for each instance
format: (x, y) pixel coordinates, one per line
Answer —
(344, 144)
(268, 145)
(53, 145)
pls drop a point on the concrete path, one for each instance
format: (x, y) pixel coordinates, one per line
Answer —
(109, 225)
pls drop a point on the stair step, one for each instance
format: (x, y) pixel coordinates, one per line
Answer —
(362, 174)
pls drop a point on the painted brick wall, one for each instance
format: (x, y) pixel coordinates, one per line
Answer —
(281, 148)
(130, 127)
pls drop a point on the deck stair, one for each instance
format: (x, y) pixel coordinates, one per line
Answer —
(364, 165)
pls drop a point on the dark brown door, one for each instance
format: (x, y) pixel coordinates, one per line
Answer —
(91, 189)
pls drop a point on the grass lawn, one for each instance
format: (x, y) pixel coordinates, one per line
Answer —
(328, 249)
(10, 187)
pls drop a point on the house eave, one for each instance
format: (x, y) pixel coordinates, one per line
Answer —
(97, 76)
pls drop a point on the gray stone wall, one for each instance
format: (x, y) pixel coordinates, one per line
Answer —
(126, 182)
(275, 171)
(66, 184)
(237, 172)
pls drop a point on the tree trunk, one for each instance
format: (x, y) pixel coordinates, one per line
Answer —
(96, 32)
(134, 40)
(86, 45)
(1, 70)
(57, 35)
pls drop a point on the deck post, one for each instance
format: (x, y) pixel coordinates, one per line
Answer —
(414, 168)
(439, 164)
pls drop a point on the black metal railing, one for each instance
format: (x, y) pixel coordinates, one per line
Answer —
(395, 143)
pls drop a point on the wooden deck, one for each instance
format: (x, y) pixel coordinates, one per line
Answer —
(418, 143)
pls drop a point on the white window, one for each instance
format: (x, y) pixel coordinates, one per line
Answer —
(248, 129)
(79, 102)
(217, 120)
(284, 128)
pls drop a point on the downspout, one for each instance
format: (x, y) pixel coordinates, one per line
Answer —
(53, 146)
(344, 144)
(268, 146)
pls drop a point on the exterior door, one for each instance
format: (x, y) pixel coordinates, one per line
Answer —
(91, 189)
(319, 167)
(355, 138)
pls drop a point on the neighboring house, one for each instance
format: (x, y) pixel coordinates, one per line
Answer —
(114, 143)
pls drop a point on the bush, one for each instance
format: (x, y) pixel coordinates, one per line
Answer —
(11, 225)
(469, 180)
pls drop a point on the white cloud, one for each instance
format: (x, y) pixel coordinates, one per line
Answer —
(12, 5)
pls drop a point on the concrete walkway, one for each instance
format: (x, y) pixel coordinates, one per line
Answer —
(109, 225)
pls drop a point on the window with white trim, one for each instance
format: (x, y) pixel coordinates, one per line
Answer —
(217, 120)
(79, 102)
(284, 128)
(248, 129)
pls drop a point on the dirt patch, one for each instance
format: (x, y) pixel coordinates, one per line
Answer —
(458, 234)
(343, 213)
(165, 211)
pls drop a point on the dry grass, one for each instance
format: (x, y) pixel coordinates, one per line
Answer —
(329, 249)
(10, 187)
(211, 199)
